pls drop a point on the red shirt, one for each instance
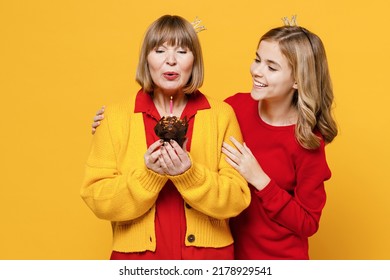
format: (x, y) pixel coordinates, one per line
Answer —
(170, 222)
(282, 216)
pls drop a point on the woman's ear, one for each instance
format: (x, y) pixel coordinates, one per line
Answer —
(295, 86)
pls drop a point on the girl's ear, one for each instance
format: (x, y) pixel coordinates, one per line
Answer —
(295, 86)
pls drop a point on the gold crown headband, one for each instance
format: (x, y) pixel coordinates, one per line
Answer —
(196, 24)
(293, 22)
(288, 22)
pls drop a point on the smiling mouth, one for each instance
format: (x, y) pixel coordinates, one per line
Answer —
(259, 85)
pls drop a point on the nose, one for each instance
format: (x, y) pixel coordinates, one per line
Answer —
(171, 58)
(257, 69)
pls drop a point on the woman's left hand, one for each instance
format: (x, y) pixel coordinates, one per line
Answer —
(245, 162)
(174, 160)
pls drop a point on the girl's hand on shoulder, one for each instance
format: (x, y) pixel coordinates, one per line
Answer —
(174, 159)
(241, 158)
(97, 118)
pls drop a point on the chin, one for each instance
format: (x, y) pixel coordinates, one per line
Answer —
(256, 95)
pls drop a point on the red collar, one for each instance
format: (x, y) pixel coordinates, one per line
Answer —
(196, 101)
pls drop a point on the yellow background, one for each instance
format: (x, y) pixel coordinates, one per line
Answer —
(61, 60)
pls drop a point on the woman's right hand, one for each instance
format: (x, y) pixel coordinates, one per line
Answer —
(97, 118)
(152, 157)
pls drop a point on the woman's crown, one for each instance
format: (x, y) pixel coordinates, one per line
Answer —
(196, 24)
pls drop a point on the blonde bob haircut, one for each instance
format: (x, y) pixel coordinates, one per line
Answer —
(175, 31)
(313, 99)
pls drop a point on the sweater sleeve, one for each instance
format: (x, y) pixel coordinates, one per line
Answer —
(221, 193)
(111, 193)
(300, 212)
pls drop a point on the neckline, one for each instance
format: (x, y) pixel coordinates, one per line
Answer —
(270, 126)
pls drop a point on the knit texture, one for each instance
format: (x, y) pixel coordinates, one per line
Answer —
(118, 187)
(283, 215)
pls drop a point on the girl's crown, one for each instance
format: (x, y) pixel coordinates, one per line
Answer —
(292, 22)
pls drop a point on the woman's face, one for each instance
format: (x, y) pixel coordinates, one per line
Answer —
(271, 74)
(170, 68)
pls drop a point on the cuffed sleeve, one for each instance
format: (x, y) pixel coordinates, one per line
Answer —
(111, 192)
(211, 185)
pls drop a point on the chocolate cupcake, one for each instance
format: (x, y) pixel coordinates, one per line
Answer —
(173, 128)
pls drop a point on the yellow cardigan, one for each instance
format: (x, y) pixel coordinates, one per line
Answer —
(119, 187)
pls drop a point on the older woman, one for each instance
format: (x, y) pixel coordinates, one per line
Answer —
(166, 201)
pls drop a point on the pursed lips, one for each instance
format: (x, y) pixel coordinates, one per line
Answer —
(170, 75)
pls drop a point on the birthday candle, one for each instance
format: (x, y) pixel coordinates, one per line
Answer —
(171, 106)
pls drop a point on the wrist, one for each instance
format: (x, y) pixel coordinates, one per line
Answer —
(261, 182)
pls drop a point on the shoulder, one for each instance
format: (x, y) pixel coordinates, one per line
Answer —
(117, 114)
(239, 99)
(314, 159)
(218, 106)
(222, 114)
(120, 108)
(243, 104)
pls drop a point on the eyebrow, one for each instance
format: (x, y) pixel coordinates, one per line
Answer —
(165, 46)
(269, 60)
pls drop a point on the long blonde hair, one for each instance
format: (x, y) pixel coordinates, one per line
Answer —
(313, 99)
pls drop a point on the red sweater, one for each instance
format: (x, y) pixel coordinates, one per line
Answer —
(287, 211)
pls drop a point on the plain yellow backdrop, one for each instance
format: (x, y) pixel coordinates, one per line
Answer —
(61, 60)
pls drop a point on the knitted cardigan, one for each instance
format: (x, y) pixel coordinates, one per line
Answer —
(119, 187)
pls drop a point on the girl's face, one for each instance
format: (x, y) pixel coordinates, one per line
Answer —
(271, 74)
(170, 68)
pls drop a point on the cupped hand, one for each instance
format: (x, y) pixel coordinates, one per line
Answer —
(152, 155)
(174, 160)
